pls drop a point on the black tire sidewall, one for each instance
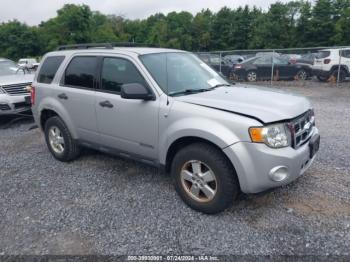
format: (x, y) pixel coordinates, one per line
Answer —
(227, 184)
(322, 78)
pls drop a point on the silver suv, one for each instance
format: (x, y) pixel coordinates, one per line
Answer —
(169, 109)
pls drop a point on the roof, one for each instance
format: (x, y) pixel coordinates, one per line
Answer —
(118, 50)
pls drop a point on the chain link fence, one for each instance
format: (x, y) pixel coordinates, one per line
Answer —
(307, 65)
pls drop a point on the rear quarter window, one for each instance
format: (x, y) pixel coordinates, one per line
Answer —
(81, 72)
(49, 69)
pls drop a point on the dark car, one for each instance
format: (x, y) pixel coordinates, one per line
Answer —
(213, 60)
(260, 68)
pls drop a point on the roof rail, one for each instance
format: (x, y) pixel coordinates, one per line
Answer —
(102, 45)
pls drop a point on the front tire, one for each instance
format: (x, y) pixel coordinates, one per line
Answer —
(204, 178)
(342, 75)
(322, 78)
(59, 140)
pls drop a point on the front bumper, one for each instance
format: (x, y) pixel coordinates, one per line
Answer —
(253, 163)
(13, 104)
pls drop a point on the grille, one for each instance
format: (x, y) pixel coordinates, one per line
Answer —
(302, 128)
(16, 90)
(4, 107)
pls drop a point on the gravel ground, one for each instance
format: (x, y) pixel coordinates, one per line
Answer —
(100, 204)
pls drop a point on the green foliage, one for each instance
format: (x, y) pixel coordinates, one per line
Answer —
(18, 40)
(293, 24)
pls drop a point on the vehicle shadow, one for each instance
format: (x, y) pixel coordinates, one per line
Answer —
(9, 121)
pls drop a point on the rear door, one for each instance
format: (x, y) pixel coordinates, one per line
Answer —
(128, 125)
(77, 94)
(283, 69)
(264, 67)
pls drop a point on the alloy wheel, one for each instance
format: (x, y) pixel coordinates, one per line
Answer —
(198, 181)
(56, 140)
(251, 76)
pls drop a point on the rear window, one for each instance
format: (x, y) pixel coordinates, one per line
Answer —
(81, 72)
(323, 54)
(49, 69)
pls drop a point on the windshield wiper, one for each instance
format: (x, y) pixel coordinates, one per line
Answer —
(219, 85)
(190, 91)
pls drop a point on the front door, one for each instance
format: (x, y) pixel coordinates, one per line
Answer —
(128, 125)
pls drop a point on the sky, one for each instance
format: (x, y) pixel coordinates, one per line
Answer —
(33, 12)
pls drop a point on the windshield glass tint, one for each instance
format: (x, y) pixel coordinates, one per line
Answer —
(8, 68)
(178, 72)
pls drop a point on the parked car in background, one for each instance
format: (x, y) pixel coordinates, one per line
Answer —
(213, 60)
(29, 63)
(307, 59)
(260, 68)
(327, 65)
(268, 54)
(167, 108)
(14, 98)
(234, 59)
(291, 58)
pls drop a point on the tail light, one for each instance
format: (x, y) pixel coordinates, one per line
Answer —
(31, 89)
(327, 61)
(238, 66)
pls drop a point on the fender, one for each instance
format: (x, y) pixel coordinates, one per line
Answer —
(50, 103)
(199, 127)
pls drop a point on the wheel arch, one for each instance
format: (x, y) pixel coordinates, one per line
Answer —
(185, 141)
(342, 67)
(50, 108)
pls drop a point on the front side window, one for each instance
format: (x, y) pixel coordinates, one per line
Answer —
(81, 72)
(178, 72)
(117, 72)
(49, 69)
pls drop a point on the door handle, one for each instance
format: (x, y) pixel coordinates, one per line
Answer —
(63, 96)
(106, 104)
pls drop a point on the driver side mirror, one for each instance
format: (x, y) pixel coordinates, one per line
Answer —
(136, 91)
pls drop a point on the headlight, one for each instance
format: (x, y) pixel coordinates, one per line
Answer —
(2, 91)
(275, 136)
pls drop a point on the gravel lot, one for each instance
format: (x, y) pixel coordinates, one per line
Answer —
(100, 204)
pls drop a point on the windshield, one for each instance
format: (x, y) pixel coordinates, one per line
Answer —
(8, 68)
(179, 73)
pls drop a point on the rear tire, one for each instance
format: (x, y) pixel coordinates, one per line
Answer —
(322, 78)
(59, 140)
(204, 178)
(302, 75)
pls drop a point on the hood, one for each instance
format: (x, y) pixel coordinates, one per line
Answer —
(264, 104)
(16, 79)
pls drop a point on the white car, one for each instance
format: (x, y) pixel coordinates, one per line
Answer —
(29, 63)
(327, 64)
(14, 98)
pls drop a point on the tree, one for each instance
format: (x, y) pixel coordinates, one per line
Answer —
(18, 40)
